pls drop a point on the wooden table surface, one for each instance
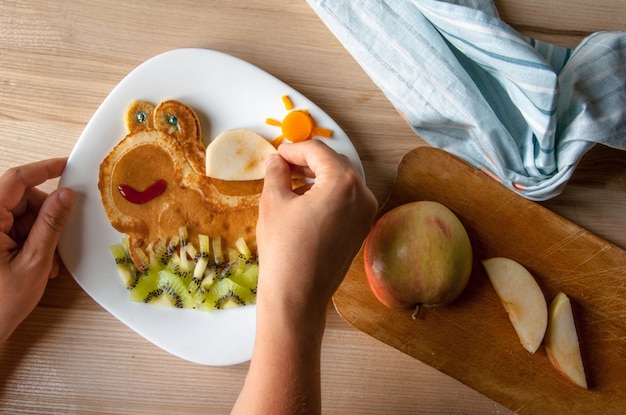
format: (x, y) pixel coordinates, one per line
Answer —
(59, 60)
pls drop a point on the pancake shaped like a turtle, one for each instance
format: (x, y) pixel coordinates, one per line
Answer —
(153, 182)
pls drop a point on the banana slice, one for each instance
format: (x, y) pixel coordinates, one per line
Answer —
(238, 155)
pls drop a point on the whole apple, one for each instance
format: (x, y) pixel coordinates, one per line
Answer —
(418, 254)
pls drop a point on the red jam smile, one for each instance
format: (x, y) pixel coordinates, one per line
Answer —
(139, 197)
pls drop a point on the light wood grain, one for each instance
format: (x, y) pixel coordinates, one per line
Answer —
(61, 59)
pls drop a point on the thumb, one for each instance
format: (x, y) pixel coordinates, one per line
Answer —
(43, 237)
(277, 177)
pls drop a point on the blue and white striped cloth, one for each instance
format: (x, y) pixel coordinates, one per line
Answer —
(522, 110)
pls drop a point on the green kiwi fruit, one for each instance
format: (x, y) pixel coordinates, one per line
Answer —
(160, 253)
(162, 288)
(225, 270)
(141, 260)
(202, 257)
(218, 254)
(243, 248)
(226, 293)
(184, 241)
(177, 268)
(245, 268)
(146, 284)
(171, 249)
(125, 266)
(178, 274)
(211, 274)
(248, 276)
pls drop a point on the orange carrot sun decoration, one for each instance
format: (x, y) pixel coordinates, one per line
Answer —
(298, 125)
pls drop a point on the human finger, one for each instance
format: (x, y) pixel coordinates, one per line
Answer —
(31, 202)
(301, 172)
(21, 219)
(40, 245)
(56, 266)
(313, 156)
(15, 181)
(277, 182)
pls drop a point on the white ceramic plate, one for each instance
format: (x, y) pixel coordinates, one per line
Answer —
(227, 93)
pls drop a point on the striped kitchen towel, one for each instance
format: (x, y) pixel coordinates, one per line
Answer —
(522, 110)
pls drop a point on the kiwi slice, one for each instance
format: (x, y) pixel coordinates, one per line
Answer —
(225, 270)
(177, 268)
(178, 274)
(141, 260)
(162, 288)
(160, 253)
(248, 276)
(243, 248)
(226, 293)
(171, 248)
(124, 265)
(211, 274)
(184, 241)
(218, 254)
(202, 257)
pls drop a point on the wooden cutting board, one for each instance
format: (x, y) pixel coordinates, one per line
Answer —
(472, 339)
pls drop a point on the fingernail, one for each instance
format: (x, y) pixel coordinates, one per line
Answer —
(66, 197)
(270, 158)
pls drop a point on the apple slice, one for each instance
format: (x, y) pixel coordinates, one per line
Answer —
(522, 299)
(562, 344)
(237, 155)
